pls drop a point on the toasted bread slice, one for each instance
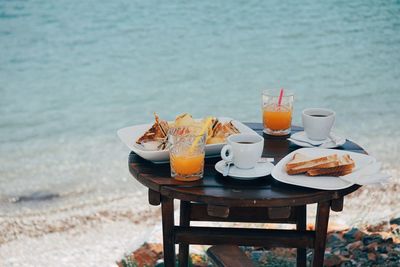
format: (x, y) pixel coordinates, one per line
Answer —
(301, 160)
(158, 131)
(336, 174)
(183, 120)
(346, 165)
(223, 130)
(322, 162)
(298, 159)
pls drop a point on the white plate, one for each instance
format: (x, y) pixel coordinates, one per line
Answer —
(260, 170)
(327, 143)
(319, 182)
(129, 135)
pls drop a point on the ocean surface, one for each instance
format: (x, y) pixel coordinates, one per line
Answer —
(73, 72)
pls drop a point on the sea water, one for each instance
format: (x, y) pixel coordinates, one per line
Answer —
(73, 72)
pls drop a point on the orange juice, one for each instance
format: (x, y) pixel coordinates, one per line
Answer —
(277, 118)
(187, 167)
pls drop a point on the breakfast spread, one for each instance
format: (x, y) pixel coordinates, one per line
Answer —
(156, 138)
(331, 165)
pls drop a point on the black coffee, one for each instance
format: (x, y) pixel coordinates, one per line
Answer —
(245, 143)
(318, 115)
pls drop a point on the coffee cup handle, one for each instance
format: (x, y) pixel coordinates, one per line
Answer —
(226, 153)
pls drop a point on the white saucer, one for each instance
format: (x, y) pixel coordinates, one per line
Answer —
(298, 137)
(260, 170)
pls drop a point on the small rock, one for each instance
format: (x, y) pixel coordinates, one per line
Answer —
(372, 247)
(384, 256)
(382, 227)
(310, 226)
(371, 256)
(354, 245)
(395, 221)
(389, 248)
(258, 256)
(334, 240)
(346, 263)
(368, 239)
(336, 251)
(382, 249)
(359, 235)
(197, 260)
(349, 235)
(332, 260)
(379, 261)
(394, 259)
(357, 254)
(395, 229)
(353, 235)
(159, 263)
(147, 254)
(344, 252)
(389, 240)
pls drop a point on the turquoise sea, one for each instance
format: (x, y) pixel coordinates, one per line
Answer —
(73, 72)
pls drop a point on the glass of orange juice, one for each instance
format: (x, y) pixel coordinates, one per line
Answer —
(187, 153)
(277, 108)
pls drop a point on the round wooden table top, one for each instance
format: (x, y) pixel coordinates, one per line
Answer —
(214, 189)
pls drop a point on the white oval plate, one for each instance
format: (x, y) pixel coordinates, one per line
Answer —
(319, 182)
(260, 170)
(129, 135)
(299, 136)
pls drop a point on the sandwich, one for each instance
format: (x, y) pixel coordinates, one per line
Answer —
(345, 166)
(220, 131)
(155, 137)
(331, 165)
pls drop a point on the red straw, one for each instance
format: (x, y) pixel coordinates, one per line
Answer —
(280, 97)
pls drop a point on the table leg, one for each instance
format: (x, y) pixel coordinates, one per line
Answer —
(184, 220)
(167, 212)
(321, 228)
(301, 224)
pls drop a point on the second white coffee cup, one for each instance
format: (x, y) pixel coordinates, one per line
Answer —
(244, 150)
(318, 122)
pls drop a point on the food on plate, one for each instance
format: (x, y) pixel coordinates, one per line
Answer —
(331, 165)
(301, 159)
(220, 131)
(156, 138)
(184, 119)
(215, 140)
(305, 165)
(346, 165)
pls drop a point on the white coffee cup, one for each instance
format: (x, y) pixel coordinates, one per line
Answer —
(318, 122)
(244, 150)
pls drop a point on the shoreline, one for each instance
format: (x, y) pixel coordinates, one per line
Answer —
(94, 232)
(104, 229)
(37, 223)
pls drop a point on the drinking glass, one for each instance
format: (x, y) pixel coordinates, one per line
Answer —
(277, 117)
(186, 153)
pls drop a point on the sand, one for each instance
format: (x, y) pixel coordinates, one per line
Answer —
(92, 235)
(99, 233)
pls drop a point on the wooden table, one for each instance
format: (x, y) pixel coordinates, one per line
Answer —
(223, 199)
